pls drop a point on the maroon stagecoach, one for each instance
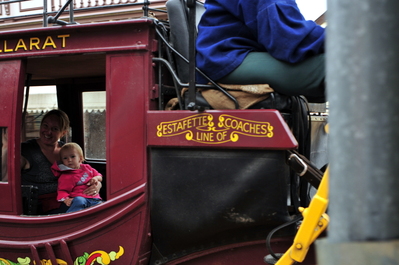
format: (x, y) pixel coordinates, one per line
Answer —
(193, 185)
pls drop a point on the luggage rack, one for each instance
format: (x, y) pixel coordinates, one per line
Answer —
(55, 19)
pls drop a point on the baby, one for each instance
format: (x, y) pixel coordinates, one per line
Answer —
(74, 177)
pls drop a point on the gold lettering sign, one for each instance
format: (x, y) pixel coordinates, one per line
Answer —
(202, 129)
(34, 43)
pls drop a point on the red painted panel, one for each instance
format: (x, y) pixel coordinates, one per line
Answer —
(126, 151)
(11, 85)
(263, 129)
(114, 226)
(101, 37)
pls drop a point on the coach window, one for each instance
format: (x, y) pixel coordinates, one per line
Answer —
(3, 154)
(94, 110)
(41, 100)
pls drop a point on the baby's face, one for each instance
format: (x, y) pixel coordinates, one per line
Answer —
(71, 158)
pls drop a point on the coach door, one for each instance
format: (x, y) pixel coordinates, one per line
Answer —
(11, 88)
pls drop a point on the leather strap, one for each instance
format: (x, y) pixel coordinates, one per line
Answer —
(304, 168)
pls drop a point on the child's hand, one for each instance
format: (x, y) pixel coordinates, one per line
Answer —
(68, 201)
(94, 181)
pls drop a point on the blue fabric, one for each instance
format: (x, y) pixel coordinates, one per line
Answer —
(230, 29)
(80, 203)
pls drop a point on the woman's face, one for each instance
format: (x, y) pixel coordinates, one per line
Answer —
(50, 130)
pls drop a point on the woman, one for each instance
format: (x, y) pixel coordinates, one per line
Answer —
(262, 42)
(37, 157)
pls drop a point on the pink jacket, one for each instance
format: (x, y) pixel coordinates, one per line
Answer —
(72, 182)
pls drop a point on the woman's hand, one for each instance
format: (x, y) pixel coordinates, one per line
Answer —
(94, 187)
(24, 163)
